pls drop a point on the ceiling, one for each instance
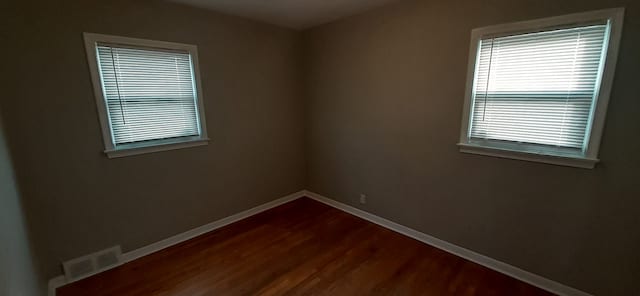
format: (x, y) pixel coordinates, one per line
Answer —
(295, 14)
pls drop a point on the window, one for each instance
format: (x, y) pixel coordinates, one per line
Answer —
(147, 93)
(538, 90)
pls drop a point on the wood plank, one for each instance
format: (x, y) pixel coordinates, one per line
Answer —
(301, 248)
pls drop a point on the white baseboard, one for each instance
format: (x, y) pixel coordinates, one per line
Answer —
(504, 268)
(60, 281)
(55, 283)
(176, 239)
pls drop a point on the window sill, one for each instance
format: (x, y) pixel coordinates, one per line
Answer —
(578, 162)
(155, 146)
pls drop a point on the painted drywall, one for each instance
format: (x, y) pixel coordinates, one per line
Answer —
(77, 200)
(385, 91)
(293, 14)
(379, 98)
(18, 274)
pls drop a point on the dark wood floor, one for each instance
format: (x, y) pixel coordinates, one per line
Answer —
(300, 248)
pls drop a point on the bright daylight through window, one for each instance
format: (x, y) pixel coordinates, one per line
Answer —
(148, 94)
(540, 91)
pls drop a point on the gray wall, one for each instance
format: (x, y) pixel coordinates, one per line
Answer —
(379, 97)
(18, 275)
(77, 200)
(385, 91)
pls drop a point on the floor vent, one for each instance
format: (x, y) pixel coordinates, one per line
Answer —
(79, 268)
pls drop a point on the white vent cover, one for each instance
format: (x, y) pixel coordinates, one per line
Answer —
(91, 264)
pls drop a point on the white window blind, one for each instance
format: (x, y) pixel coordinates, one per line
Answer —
(150, 94)
(538, 88)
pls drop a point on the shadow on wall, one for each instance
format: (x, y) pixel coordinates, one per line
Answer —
(18, 274)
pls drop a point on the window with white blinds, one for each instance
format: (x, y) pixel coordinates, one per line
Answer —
(538, 88)
(149, 91)
(538, 91)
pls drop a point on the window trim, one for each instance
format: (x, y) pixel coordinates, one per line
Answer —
(114, 151)
(589, 157)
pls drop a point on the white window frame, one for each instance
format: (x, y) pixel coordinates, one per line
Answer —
(91, 40)
(589, 157)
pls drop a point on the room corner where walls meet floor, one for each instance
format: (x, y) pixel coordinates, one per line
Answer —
(504, 268)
